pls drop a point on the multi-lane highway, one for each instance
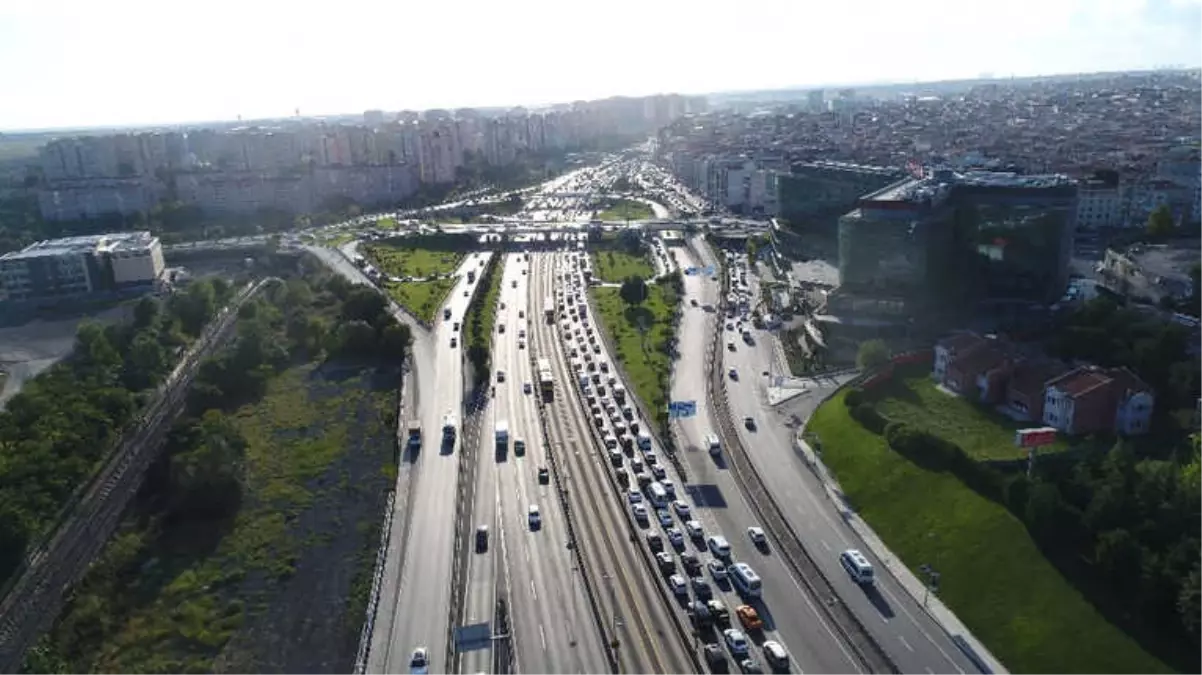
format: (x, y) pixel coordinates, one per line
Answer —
(553, 628)
(634, 615)
(794, 618)
(415, 604)
(913, 640)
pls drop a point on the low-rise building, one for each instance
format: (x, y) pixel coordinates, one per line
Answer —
(75, 266)
(1091, 400)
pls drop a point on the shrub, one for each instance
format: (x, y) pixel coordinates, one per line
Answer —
(853, 398)
(867, 415)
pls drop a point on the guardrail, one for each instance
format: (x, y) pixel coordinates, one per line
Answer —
(83, 527)
(848, 625)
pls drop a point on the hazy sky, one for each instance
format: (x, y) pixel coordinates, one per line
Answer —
(98, 62)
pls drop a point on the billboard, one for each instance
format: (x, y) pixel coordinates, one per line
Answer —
(1034, 438)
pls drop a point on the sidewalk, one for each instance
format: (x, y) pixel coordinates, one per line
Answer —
(934, 607)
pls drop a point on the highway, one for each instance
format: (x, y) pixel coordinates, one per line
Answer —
(622, 584)
(415, 604)
(892, 617)
(794, 618)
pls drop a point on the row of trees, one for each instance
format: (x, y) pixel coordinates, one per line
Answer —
(479, 342)
(54, 433)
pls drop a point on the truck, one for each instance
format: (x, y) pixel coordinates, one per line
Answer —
(549, 310)
(502, 433)
(546, 381)
(415, 434)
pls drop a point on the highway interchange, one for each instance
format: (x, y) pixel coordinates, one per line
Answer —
(582, 585)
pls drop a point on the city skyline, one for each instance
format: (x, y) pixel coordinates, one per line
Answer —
(261, 62)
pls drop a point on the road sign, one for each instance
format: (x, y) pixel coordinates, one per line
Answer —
(472, 637)
(690, 271)
(709, 270)
(678, 409)
(1035, 437)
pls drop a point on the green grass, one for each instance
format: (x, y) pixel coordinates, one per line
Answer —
(174, 598)
(423, 298)
(484, 310)
(643, 357)
(411, 262)
(982, 432)
(615, 265)
(334, 241)
(386, 224)
(993, 575)
(625, 209)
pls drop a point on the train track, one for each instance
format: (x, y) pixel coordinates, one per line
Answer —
(610, 538)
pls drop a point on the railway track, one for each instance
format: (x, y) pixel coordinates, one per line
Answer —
(646, 641)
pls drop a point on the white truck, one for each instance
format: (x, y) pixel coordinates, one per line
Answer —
(502, 432)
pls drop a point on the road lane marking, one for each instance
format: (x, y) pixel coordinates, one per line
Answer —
(542, 636)
(825, 545)
(534, 592)
(904, 643)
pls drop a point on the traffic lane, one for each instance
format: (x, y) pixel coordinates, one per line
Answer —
(480, 597)
(890, 614)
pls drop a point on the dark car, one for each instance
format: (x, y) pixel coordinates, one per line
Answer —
(544, 476)
(715, 658)
(690, 563)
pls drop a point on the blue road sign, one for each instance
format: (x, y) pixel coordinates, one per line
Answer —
(677, 409)
(709, 270)
(690, 270)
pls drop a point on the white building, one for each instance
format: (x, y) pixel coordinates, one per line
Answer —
(59, 268)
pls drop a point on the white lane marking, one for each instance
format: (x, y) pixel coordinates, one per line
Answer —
(826, 545)
(534, 592)
(542, 636)
(904, 643)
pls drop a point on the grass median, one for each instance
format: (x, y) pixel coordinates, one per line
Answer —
(422, 298)
(993, 576)
(615, 265)
(420, 263)
(627, 209)
(643, 336)
(481, 317)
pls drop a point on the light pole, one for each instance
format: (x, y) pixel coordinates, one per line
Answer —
(931, 584)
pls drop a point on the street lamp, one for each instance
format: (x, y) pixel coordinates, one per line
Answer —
(932, 582)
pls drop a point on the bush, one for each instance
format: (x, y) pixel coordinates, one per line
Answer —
(867, 415)
(853, 398)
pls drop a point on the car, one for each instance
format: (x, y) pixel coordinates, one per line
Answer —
(717, 569)
(750, 666)
(527, 387)
(521, 314)
(500, 376)
(500, 328)
(749, 422)
(419, 663)
(675, 537)
(659, 472)
(749, 617)
(481, 538)
(639, 511)
(678, 585)
(667, 565)
(634, 496)
(544, 476)
(715, 658)
(690, 563)
(693, 301)
(519, 447)
(718, 611)
(736, 641)
(465, 294)
(701, 588)
(521, 344)
(664, 517)
(757, 537)
(681, 507)
(654, 541)
(734, 374)
(536, 518)
(693, 528)
(775, 654)
(454, 342)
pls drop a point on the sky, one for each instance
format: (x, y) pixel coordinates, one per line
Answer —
(80, 63)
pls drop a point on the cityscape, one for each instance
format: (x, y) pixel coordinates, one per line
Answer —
(878, 378)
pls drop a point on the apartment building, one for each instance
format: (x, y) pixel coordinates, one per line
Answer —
(75, 266)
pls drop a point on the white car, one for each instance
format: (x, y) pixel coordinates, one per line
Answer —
(678, 585)
(694, 530)
(735, 641)
(756, 534)
(681, 508)
(634, 496)
(419, 663)
(717, 569)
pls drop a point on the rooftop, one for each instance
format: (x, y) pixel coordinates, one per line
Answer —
(110, 242)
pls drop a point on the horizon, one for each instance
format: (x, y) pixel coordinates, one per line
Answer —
(136, 63)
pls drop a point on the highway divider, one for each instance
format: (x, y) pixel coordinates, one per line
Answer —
(852, 631)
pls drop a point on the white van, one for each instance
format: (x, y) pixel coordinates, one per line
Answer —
(644, 440)
(713, 444)
(857, 566)
(719, 546)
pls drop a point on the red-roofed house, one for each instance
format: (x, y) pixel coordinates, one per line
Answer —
(1028, 382)
(1089, 399)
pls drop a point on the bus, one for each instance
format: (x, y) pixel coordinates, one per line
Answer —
(549, 310)
(745, 579)
(546, 382)
(657, 494)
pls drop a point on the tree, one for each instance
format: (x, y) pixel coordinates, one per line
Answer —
(395, 340)
(634, 290)
(207, 475)
(356, 338)
(146, 312)
(1160, 222)
(872, 354)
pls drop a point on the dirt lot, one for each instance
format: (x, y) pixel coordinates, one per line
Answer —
(30, 348)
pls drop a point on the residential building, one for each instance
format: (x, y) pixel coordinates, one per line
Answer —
(1024, 396)
(1089, 400)
(75, 266)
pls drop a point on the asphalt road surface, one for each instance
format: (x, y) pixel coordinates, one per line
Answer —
(891, 615)
(794, 619)
(416, 613)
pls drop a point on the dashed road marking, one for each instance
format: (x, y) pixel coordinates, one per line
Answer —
(904, 643)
